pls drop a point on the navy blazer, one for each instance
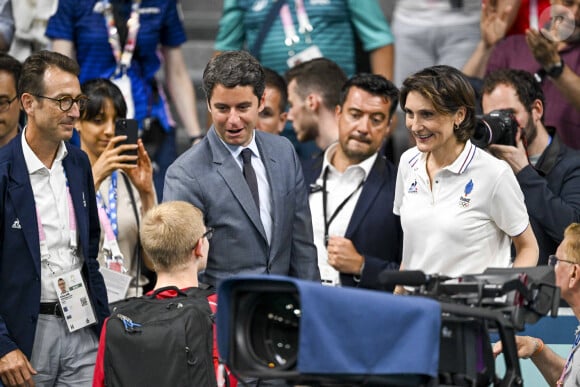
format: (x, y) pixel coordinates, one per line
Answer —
(207, 176)
(20, 249)
(373, 228)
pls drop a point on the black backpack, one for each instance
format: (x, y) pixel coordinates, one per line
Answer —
(161, 342)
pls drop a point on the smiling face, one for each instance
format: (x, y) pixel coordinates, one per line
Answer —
(363, 122)
(234, 112)
(433, 131)
(45, 118)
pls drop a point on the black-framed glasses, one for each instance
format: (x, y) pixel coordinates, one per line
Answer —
(553, 260)
(66, 103)
(207, 234)
(5, 103)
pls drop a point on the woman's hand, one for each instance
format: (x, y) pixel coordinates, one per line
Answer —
(112, 159)
(141, 175)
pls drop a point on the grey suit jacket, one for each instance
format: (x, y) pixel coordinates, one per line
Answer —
(208, 177)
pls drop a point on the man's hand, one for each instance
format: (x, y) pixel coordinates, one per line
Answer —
(526, 346)
(544, 50)
(515, 156)
(493, 24)
(343, 256)
(16, 370)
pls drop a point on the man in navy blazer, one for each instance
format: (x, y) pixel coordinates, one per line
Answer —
(38, 240)
(266, 229)
(352, 189)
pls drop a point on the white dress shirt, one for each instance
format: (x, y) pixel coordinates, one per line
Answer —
(50, 198)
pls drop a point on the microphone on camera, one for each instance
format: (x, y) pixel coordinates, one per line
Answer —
(389, 278)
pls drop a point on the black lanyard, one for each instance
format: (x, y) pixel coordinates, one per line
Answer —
(338, 209)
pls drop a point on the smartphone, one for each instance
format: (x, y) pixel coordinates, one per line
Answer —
(127, 127)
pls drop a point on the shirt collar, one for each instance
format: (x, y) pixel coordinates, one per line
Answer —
(33, 163)
(235, 150)
(366, 165)
(462, 161)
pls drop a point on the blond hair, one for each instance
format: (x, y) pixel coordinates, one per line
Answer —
(572, 245)
(169, 232)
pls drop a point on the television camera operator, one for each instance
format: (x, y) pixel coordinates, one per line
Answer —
(547, 171)
(556, 370)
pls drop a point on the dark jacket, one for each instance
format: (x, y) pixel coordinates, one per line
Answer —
(373, 228)
(20, 248)
(552, 194)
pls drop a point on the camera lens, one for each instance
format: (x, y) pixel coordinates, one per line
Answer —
(483, 134)
(270, 329)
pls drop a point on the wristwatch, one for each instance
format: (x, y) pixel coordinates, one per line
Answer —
(555, 70)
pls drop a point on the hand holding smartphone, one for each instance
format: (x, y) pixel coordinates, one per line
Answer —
(127, 127)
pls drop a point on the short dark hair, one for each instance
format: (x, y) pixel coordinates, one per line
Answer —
(448, 90)
(231, 69)
(98, 90)
(275, 81)
(32, 76)
(319, 75)
(11, 65)
(523, 82)
(373, 84)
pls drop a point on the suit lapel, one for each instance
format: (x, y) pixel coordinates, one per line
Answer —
(21, 195)
(230, 171)
(371, 189)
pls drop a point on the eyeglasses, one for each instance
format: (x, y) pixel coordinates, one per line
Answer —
(553, 260)
(207, 234)
(66, 103)
(5, 103)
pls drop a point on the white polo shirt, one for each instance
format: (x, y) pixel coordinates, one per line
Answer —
(464, 223)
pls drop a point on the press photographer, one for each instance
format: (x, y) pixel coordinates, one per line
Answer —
(547, 170)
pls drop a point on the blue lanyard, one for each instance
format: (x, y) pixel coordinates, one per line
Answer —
(111, 210)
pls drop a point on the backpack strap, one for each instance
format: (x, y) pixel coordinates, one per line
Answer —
(154, 294)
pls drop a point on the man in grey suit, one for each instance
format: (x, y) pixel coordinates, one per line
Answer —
(264, 229)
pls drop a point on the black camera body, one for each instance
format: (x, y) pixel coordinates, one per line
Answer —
(498, 127)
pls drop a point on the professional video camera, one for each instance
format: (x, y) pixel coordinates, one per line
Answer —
(272, 327)
(499, 301)
(497, 127)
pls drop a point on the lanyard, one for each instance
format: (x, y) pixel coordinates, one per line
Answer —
(108, 218)
(560, 381)
(338, 209)
(72, 226)
(304, 26)
(124, 57)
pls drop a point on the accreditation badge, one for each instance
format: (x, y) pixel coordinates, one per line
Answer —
(74, 300)
(310, 53)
